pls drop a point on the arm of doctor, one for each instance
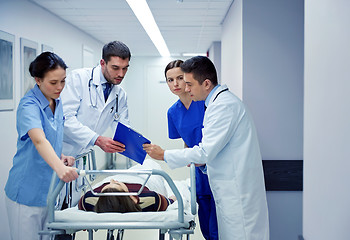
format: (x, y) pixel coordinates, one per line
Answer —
(46, 151)
(156, 152)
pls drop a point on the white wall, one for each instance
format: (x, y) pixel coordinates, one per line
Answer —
(232, 49)
(215, 57)
(326, 213)
(24, 19)
(273, 73)
(262, 61)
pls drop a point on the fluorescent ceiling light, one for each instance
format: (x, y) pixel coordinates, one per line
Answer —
(193, 54)
(145, 17)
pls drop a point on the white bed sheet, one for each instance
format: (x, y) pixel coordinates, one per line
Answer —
(76, 215)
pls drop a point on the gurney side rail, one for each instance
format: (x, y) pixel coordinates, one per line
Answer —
(55, 190)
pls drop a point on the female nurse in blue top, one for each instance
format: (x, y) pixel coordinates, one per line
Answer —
(39, 146)
(185, 120)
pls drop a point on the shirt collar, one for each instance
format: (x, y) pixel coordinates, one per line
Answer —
(210, 94)
(40, 96)
(42, 99)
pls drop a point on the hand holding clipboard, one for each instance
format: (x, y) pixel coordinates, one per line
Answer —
(133, 142)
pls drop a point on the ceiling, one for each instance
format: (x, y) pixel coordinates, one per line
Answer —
(187, 26)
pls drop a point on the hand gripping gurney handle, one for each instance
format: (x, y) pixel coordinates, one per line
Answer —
(55, 189)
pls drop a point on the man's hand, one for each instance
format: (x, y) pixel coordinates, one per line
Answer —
(109, 145)
(154, 151)
(67, 160)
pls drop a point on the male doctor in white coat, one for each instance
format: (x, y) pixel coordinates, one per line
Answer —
(93, 101)
(88, 112)
(230, 152)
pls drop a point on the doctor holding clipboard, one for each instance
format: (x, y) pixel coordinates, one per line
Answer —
(87, 111)
(93, 101)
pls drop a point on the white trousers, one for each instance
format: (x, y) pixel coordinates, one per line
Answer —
(25, 222)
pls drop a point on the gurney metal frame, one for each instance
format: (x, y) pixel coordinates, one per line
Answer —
(87, 161)
(176, 229)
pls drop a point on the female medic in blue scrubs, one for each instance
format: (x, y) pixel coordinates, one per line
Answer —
(39, 147)
(185, 120)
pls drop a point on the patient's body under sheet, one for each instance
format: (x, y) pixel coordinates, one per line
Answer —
(155, 183)
(147, 200)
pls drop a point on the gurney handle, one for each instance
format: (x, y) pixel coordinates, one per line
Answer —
(193, 189)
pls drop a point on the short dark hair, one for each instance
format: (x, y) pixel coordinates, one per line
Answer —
(173, 64)
(44, 63)
(122, 204)
(115, 49)
(202, 68)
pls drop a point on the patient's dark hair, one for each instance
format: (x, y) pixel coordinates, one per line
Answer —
(122, 204)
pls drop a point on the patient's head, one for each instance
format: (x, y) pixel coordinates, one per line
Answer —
(122, 204)
(120, 186)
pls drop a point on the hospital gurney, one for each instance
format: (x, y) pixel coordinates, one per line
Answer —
(173, 221)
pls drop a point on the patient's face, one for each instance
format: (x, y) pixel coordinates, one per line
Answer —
(120, 186)
(175, 81)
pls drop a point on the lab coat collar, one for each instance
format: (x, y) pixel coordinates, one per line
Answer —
(210, 94)
(97, 80)
(97, 76)
(214, 93)
(102, 78)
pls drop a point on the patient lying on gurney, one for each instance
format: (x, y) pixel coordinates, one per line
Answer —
(147, 201)
(151, 199)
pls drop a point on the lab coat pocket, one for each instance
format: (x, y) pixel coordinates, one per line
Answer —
(229, 207)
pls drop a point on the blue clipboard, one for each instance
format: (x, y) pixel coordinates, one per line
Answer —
(133, 142)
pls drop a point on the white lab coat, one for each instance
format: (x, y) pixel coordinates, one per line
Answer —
(231, 152)
(86, 112)
(87, 115)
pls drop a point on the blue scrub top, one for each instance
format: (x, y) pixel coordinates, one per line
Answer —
(187, 124)
(29, 178)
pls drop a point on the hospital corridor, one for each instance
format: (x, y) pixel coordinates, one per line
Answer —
(174, 119)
